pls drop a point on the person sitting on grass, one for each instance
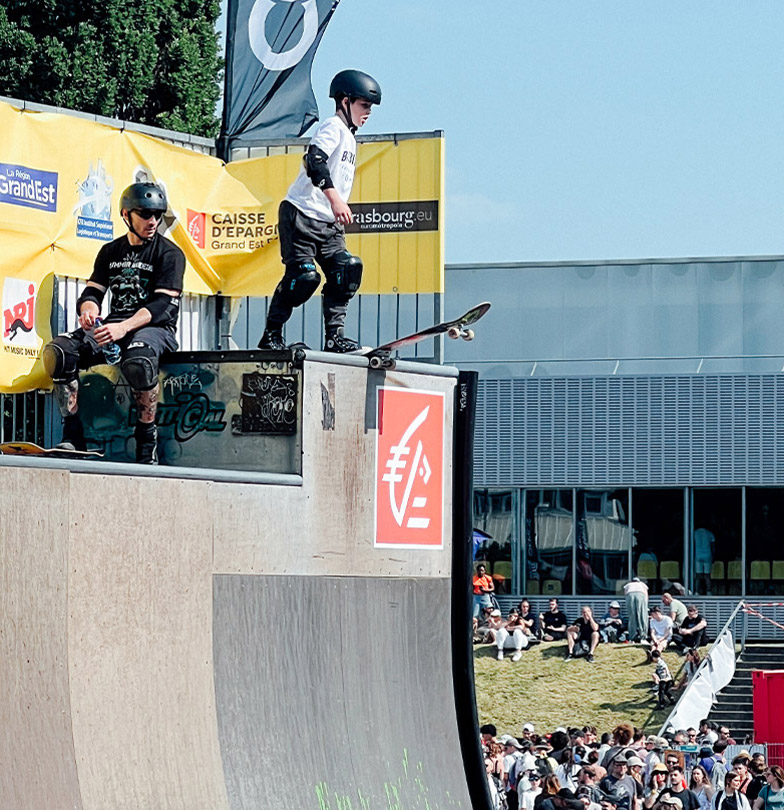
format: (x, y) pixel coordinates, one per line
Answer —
(612, 626)
(692, 631)
(488, 630)
(662, 677)
(530, 621)
(660, 629)
(512, 635)
(553, 622)
(582, 636)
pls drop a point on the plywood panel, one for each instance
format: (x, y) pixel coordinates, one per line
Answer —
(37, 763)
(141, 644)
(326, 527)
(350, 675)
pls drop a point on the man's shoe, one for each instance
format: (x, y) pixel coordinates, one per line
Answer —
(500, 655)
(337, 342)
(569, 657)
(272, 339)
(591, 659)
(517, 656)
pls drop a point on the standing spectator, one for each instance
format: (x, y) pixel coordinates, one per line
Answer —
(530, 622)
(704, 545)
(719, 767)
(656, 784)
(483, 587)
(724, 736)
(528, 788)
(511, 636)
(676, 608)
(636, 593)
(708, 733)
(701, 787)
(588, 778)
(676, 787)
(513, 759)
(621, 736)
(619, 786)
(636, 766)
(550, 787)
(771, 796)
(653, 747)
(663, 680)
(706, 760)
(661, 630)
(730, 798)
(612, 626)
(740, 764)
(758, 770)
(692, 632)
(553, 622)
(582, 635)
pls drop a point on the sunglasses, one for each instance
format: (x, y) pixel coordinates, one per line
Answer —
(147, 214)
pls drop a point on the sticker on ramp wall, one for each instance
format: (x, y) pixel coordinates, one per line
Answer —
(410, 468)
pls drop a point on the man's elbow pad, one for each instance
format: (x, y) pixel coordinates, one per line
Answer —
(89, 294)
(316, 167)
(163, 308)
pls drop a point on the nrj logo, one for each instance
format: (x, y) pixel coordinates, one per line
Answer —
(409, 468)
(19, 312)
(197, 226)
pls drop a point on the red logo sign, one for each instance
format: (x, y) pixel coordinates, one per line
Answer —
(410, 468)
(197, 227)
(19, 312)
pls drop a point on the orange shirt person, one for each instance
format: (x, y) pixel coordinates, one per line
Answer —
(483, 587)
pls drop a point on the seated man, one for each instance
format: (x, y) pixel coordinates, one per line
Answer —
(530, 622)
(488, 630)
(660, 629)
(676, 608)
(511, 635)
(553, 623)
(692, 632)
(144, 272)
(612, 627)
(583, 636)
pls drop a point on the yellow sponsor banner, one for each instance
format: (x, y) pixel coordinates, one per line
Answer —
(61, 177)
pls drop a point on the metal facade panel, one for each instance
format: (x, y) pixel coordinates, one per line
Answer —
(686, 430)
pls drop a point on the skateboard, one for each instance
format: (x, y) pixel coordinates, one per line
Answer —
(31, 449)
(381, 356)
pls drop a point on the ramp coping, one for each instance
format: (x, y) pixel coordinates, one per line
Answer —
(360, 361)
(148, 471)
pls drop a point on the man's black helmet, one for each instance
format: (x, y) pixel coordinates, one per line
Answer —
(355, 84)
(143, 197)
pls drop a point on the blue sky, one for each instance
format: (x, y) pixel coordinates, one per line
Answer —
(584, 130)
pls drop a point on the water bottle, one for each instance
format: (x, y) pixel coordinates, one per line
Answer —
(111, 351)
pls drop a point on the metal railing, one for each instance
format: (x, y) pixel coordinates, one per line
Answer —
(23, 417)
(706, 660)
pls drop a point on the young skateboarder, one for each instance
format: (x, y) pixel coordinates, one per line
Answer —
(313, 217)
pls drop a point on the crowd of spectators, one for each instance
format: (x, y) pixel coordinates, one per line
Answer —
(579, 769)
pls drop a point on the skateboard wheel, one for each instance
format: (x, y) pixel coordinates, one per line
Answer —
(468, 334)
(453, 332)
(376, 362)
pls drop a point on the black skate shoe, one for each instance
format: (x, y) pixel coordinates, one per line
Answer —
(73, 434)
(272, 339)
(337, 342)
(146, 436)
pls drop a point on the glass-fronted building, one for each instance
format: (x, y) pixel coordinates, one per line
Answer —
(630, 422)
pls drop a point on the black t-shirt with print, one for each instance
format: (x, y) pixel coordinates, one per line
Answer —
(557, 619)
(132, 273)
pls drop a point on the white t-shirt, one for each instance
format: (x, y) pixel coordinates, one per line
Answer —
(334, 138)
(662, 627)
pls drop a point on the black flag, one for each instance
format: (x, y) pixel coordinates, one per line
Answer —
(270, 46)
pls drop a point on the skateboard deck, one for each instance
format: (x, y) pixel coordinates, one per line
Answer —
(381, 356)
(31, 449)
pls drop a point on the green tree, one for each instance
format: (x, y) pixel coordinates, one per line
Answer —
(154, 62)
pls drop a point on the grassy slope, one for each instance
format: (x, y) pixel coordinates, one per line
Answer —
(545, 690)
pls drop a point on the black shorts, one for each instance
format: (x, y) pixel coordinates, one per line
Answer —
(159, 338)
(303, 238)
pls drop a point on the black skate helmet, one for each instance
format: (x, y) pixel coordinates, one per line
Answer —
(353, 84)
(143, 197)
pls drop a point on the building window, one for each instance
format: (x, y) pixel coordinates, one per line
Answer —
(715, 550)
(602, 558)
(764, 549)
(657, 556)
(549, 541)
(494, 517)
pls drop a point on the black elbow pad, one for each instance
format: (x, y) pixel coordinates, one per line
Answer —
(316, 167)
(163, 308)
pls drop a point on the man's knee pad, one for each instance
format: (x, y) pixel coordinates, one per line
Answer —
(345, 272)
(59, 363)
(299, 283)
(140, 366)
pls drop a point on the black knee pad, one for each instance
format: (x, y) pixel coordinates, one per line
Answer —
(299, 283)
(344, 270)
(59, 362)
(140, 366)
